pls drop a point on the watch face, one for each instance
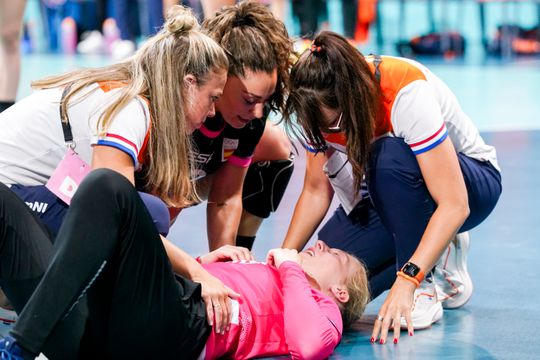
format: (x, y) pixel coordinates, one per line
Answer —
(410, 269)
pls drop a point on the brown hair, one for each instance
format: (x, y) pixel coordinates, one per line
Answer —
(157, 72)
(254, 40)
(334, 75)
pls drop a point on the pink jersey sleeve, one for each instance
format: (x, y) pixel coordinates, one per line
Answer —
(313, 323)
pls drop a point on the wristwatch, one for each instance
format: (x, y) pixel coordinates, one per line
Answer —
(413, 270)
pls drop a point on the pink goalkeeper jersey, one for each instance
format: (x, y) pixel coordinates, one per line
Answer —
(269, 296)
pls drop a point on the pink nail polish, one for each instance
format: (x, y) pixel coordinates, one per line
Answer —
(381, 341)
(372, 340)
(411, 334)
(395, 341)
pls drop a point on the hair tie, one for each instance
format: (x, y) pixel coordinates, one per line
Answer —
(314, 48)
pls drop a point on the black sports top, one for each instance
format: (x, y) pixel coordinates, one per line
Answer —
(217, 142)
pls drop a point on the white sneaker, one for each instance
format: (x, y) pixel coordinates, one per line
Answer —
(426, 309)
(92, 43)
(122, 49)
(452, 280)
(7, 317)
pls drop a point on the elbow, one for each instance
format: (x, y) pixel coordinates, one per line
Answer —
(312, 354)
(455, 208)
(458, 212)
(465, 211)
(318, 348)
(462, 209)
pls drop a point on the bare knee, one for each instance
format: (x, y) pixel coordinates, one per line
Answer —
(10, 39)
(274, 144)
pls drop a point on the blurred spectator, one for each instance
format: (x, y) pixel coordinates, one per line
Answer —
(93, 41)
(309, 13)
(11, 16)
(350, 13)
(134, 18)
(210, 7)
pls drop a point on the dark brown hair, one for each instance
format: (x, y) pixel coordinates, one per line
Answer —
(334, 74)
(254, 40)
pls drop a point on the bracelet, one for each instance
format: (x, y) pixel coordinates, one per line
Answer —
(407, 277)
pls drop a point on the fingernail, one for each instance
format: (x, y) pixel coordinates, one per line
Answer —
(372, 340)
(395, 341)
(411, 333)
(381, 341)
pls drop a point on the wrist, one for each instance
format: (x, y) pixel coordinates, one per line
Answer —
(411, 272)
(195, 270)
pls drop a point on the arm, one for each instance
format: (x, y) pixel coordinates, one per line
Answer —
(312, 326)
(120, 146)
(224, 207)
(274, 145)
(182, 263)
(114, 159)
(444, 180)
(213, 291)
(312, 204)
(447, 187)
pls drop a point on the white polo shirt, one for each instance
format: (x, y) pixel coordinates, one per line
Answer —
(32, 141)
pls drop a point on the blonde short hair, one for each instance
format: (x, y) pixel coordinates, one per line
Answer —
(359, 296)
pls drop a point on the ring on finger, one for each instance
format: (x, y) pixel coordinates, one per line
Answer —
(380, 318)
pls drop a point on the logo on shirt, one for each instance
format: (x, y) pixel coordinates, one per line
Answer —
(229, 145)
(197, 174)
(203, 158)
(39, 207)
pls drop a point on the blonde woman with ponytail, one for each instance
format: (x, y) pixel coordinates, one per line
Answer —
(135, 118)
(244, 162)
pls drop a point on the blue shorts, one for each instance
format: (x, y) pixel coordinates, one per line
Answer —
(385, 228)
(51, 210)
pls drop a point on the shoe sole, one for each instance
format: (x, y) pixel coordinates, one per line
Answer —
(460, 298)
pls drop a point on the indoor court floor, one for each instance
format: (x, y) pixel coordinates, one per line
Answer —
(502, 319)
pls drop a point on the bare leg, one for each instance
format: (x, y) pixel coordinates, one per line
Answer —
(210, 7)
(167, 4)
(274, 145)
(11, 16)
(278, 8)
